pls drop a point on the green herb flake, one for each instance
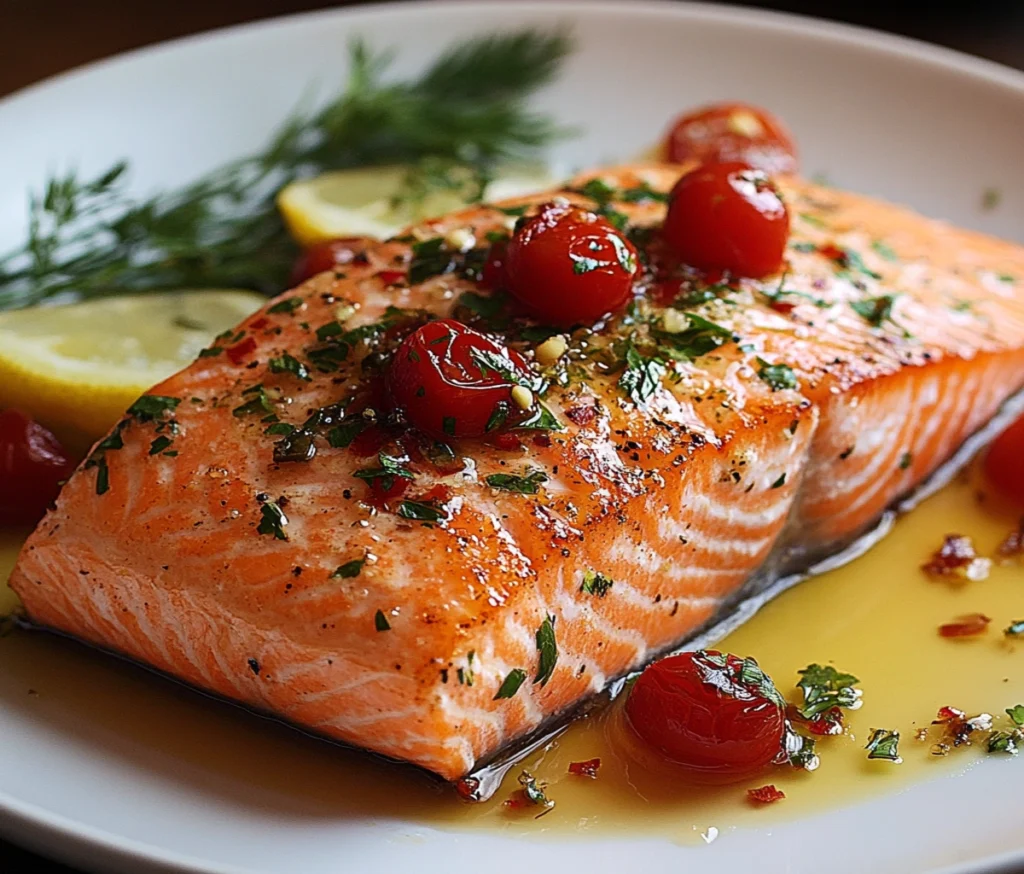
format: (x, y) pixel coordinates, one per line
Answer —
(884, 744)
(523, 485)
(824, 687)
(342, 435)
(151, 407)
(595, 583)
(906, 459)
(642, 376)
(380, 621)
(804, 246)
(1016, 713)
(288, 306)
(1015, 628)
(420, 512)
(102, 476)
(874, 310)
(812, 220)
(272, 521)
(642, 193)
(349, 569)
(287, 364)
(258, 403)
(159, 445)
(547, 647)
(777, 376)
(510, 685)
(388, 467)
(884, 251)
(1005, 741)
(430, 258)
(212, 352)
(534, 792)
(780, 482)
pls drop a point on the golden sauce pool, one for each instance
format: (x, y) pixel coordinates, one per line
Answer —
(876, 618)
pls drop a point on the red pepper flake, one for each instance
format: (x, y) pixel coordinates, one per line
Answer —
(585, 769)
(581, 414)
(834, 253)
(369, 441)
(391, 277)
(506, 440)
(439, 494)
(968, 625)
(517, 801)
(382, 491)
(765, 794)
(957, 728)
(237, 353)
(468, 788)
(259, 324)
(782, 306)
(1013, 545)
(957, 558)
(826, 724)
(541, 440)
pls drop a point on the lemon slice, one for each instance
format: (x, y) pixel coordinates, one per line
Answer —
(77, 368)
(377, 202)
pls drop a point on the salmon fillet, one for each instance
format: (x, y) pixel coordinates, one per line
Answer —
(182, 543)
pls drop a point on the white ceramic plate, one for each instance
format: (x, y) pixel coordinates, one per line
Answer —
(878, 114)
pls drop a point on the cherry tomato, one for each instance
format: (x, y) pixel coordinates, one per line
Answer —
(733, 132)
(1004, 463)
(568, 266)
(325, 256)
(493, 274)
(452, 381)
(715, 716)
(32, 466)
(728, 217)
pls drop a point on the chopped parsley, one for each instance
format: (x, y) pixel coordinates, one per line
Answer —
(272, 520)
(212, 352)
(534, 792)
(380, 621)
(287, 364)
(884, 251)
(465, 675)
(258, 402)
(287, 306)
(498, 417)
(420, 512)
(1016, 713)
(780, 482)
(778, 376)
(1005, 741)
(1015, 628)
(699, 338)
(510, 685)
(342, 435)
(800, 751)
(641, 193)
(98, 457)
(388, 468)
(875, 310)
(824, 688)
(642, 376)
(812, 220)
(541, 419)
(349, 569)
(524, 485)
(884, 744)
(430, 258)
(547, 646)
(160, 444)
(906, 459)
(595, 583)
(151, 407)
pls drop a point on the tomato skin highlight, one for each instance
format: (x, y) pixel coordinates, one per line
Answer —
(728, 217)
(437, 379)
(568, 266)
(1004, 463)
(326, 256)
(32, 466)
(732, 132)
(704, 720)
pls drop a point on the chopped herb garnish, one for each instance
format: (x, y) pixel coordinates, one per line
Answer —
(287, 364)
(288, 305)
(642, 376)
(595, 583)
(524, 485)
(1015, 628)
(420, 512)
(342, 435)
(641, 193)
(800, 750)
(498, 417)
(700, 337)
(150, 407)
(906, 459)
(541, 419)
(279, 429)
(597, 189)
(804, 246)
(812, 220)
(212, 352)
(258, 403)
(1005, 741)
(874, 310)
(102, 476)
(272, 520)
(448, 425)
(824, 688)
(778, 376)
(884, 251)
(1016, 713)
(430, 258)
(510, 685)
(548, 649)
(780, 482)
(380, 621)
(388, 468)
(884, 744)
(534, 792)
(515, 211)
(159, 445)
(490, 309)
(349, 569)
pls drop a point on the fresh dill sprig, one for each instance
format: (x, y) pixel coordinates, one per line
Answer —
(91, 237)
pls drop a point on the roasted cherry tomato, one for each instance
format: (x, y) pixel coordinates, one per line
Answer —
(715, 716)
(326, 256)
(568, 266)
(728, 217)
(452, 381)
(32, 466)
(1004, 464)
(733, 132)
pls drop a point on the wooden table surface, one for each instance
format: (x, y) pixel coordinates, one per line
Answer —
(39, 39)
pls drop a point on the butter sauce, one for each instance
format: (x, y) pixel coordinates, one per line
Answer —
(877, 618)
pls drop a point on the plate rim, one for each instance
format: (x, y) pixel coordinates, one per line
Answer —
(33, 826)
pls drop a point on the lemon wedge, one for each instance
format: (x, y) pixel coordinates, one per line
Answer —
(377, 201)
(77, 368)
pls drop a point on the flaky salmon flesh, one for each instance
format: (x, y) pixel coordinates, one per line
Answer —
(708, 427)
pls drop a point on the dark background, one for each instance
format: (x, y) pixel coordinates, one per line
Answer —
(39, 38)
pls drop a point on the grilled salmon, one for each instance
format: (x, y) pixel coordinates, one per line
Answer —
(226, 532)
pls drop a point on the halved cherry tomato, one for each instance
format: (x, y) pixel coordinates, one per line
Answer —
(728, 217)
(568, 266)
(1004, 463)
(32, 466)
(452, 381)
(326, 256)
(715, 716)
(733, 132)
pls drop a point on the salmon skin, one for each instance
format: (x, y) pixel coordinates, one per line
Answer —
(220, 533)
